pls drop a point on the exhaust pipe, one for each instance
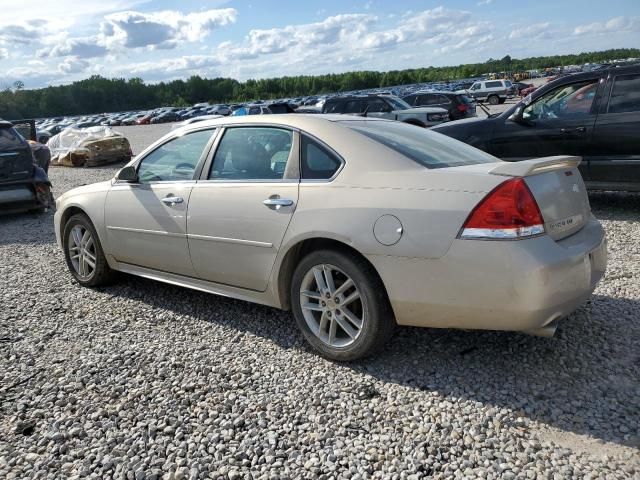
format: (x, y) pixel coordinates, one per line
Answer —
(547, 331)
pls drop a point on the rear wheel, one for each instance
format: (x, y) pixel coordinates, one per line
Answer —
(83, 252)
(340, 305)
(493, 100)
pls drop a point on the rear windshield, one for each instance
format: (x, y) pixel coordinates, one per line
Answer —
(9, 138)
(429, 149)
(465, 99)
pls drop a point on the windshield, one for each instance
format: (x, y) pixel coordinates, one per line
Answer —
(397, 103)
(10, 138)
(429, 149)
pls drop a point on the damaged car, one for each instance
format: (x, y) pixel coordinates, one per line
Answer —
(23, 184)
(89, 147)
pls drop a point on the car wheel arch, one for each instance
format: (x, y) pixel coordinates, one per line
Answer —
(72, 210)
(298, 251)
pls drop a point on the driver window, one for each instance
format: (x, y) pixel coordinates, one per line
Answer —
(175, 160)
(569, 101)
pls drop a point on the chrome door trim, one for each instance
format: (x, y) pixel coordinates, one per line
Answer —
(240, 241)
(149, 232)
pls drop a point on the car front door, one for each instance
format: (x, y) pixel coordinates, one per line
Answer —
(146, 221)
(616, 149)
(560, 122)
(241, 207)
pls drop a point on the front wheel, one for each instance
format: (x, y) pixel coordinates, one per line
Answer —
(83, 252)
(340, 305)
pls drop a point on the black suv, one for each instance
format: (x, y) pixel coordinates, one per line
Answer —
(459, 105)
(595, 115)
(23, 185)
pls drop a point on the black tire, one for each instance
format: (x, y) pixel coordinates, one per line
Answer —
(502, 100)
(379, 322)
(102, 273)
(493, 100)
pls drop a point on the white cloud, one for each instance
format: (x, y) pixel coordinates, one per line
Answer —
(4, 53)
(170, 67)
(77, 47)
(533, 31)
(73, 65)
(614, 25)
(484, 2)
(161, 29)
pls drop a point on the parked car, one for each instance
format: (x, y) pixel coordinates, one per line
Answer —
(458, 105)
(385, 106)
(354, 224)
(251, 110)
(23, 184)
(165, 117)
(595, 115)
(492, 91)
(521, 87)
(37, 141)
(189, 121)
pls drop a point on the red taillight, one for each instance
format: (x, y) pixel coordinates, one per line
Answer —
(509, 212)
(463, 107)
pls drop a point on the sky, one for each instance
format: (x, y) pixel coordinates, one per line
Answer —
(55, 42)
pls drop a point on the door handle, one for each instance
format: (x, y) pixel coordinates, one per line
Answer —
(171, 200)
(278, 202)
(573, 130)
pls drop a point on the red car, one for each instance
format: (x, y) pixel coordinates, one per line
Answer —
(146, 120)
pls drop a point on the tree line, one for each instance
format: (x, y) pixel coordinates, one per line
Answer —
(98, 94)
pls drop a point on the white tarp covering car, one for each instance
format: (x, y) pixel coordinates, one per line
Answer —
(88, 147)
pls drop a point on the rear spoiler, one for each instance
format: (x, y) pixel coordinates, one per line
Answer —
(535, 166)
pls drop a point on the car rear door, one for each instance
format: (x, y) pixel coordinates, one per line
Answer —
(615, 157)
(242, 204)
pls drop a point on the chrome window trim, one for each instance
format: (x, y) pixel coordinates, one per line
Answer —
(295, 145)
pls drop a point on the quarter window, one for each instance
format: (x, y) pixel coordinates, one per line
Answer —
(175, 160)
(625, 96)
(317, 161)
(252, 153)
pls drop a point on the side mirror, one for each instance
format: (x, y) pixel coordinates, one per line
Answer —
(128, 174)
(517, 117)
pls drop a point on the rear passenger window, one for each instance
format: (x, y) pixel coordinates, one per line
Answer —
(625, 96)
(317, 161)
(353, 106)
(492, 84)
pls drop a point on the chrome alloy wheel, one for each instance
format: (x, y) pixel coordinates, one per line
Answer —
(332, 305)
(82, 251)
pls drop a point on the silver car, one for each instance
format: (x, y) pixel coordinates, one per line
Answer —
(356, 225)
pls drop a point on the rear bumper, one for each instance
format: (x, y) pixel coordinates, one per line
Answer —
(16, 198)
(496, 285)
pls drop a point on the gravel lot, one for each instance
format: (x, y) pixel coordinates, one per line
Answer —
(142, 380)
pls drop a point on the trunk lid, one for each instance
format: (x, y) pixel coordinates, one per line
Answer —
(559, 190)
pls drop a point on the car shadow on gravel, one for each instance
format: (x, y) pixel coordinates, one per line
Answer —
(615, 205)
(584, 380)
(27, 228)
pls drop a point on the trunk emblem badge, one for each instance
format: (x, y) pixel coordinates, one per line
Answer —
(576, 188)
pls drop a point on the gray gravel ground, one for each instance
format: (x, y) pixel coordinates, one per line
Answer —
(142, 380)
